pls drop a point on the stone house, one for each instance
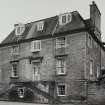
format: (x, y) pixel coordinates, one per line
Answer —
(60, 59)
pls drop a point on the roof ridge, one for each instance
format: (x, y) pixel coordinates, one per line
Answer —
(50, 17)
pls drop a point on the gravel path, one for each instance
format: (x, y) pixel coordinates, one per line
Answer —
(18, 103)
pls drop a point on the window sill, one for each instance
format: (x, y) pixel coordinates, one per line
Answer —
(35, 51)
(61, 95)
(61, 74)
(15, 77)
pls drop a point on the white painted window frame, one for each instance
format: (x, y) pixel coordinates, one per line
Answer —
(40, 26)
(20, 28)
(36, 74)
(22, 94)
(35, 47)
(12, 71)
(59, 40)
(64, 90)
(98, 71)
(59, 66)
(91, 67)
(68, 18)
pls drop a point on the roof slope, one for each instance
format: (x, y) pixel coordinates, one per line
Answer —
(49, 25)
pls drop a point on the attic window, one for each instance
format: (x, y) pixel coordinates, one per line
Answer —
(40, 26)
(19, 29)
(65, 18)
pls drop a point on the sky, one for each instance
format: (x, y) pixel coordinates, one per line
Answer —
(25, 11)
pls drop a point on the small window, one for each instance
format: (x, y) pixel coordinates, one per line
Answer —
(15, 50)
(90, 41)
(21, 92)
(60, 66)
(65, 18)
(98, 71)
(36, 45)
(40, 26)
(91, 67)
(60, 42)
(14, 70)
(61, 89)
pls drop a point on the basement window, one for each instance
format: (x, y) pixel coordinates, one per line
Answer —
(65, 18)
(21, 92)
(61, 89)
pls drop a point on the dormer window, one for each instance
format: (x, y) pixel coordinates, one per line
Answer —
(40, 26)
(65, 18)
(19, 29)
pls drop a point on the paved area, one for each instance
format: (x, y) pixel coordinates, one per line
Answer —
(18, 103)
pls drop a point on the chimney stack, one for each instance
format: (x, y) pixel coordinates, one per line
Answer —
(95, 18)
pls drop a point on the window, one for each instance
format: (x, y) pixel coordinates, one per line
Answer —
(91, 67)
(19, 29)
(36, 46)
(21, 92)
(40, 26)
(15, 50)
(14, 70)
(98, 71)
(60, 66)
(61, 89)
(65, 18)
(89, 41)
(95, 44)
(60, 42)
(36, 71)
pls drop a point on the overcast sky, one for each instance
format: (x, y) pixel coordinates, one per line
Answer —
(24, 11)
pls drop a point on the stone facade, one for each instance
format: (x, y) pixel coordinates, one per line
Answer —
(83, 54)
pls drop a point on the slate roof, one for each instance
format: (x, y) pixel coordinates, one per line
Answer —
(49, 25)
(76, 25)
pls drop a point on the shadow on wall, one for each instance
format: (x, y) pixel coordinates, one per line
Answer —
(28, 95)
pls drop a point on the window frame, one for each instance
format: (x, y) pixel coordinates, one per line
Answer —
(90, 41)
(98, 71)
(19, 29)
(40, 26)
(60, 91)
(36, 74)
(67, 16)
(15, 50)
(36, 46)
(60, 66)
(14, 72)
(21, 96)
(59, 43)
(91, 68)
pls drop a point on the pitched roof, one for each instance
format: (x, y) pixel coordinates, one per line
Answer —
(49, 25)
